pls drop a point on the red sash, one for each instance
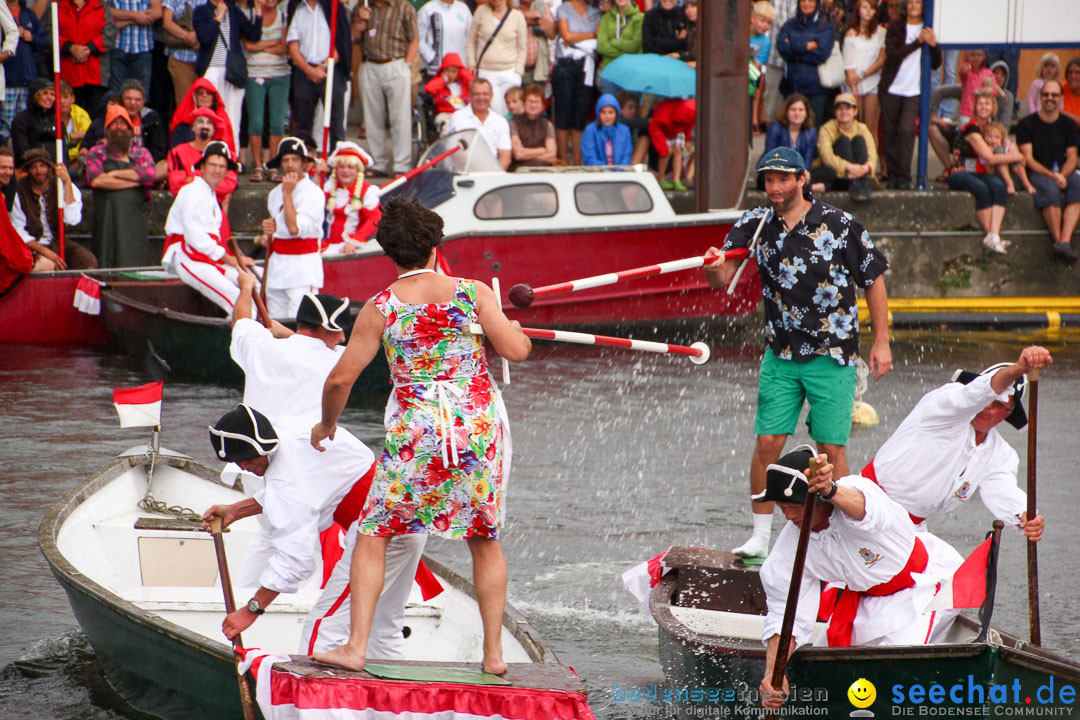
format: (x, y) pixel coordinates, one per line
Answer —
(298, 246)
(347, 512)
(847, 607)
(869, 474)
(195, 255)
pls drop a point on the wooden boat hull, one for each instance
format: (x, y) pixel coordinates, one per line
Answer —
(170, 670)
(731, 668)
(40, 312)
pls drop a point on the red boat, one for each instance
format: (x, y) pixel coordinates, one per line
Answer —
(540, 228)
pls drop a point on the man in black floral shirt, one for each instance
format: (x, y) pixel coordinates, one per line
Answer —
(811, 258)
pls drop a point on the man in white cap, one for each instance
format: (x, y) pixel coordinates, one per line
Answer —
(307, 490)
(295, 229)
(351, 203)
(859, 538)
(194, 248)
(948, 447)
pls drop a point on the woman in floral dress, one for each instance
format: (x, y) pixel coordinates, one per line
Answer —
(447, 452)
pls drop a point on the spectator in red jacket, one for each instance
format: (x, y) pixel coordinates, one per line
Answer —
(671, 126)
(207, 126)
(449, 88)
(81, 46)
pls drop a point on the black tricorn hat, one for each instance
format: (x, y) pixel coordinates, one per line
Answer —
(1018, 417)
(217, 147)
(785, 480)
(321, 310)
(289, 146)
(242, 434)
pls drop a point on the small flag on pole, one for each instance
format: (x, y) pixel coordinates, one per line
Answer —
(139, 406)
(967, 588)
(88, 296)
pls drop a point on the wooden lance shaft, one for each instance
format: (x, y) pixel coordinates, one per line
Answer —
(328, 96)
(784, 644)
(230, 607)
(1032, 546)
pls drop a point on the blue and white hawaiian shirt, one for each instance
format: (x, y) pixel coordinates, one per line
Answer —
(808, 280)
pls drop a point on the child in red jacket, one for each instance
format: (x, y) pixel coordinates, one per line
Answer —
(450, 89)
(671, 126)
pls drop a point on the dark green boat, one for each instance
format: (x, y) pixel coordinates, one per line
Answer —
(179, 333)
(145, 589)
(710, 608)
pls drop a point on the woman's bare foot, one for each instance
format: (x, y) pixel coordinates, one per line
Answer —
(496, 666)
(345, 657)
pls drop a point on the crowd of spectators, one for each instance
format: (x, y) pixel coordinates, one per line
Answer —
(528, 74)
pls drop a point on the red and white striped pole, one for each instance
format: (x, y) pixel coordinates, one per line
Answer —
(328, 96)
(59, 129)
(698, 352)
(523, 296)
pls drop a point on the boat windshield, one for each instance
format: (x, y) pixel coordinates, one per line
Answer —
(474, 156)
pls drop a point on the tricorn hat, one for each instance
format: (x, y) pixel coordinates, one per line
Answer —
(785, 480)
(321, 310)
(1018, 417)
(243, 434)
(289, 146)
(217, 147)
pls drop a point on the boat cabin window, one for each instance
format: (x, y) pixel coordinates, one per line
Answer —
(534, 200)
(611, 198)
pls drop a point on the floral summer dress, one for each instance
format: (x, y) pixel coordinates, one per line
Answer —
(447, 447)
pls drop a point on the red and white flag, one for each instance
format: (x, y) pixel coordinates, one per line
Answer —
(967, 588)
(641, 579)
(88, 296)
(139, 406)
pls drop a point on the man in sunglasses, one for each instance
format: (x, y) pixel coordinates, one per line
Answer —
(1048, 142)
(948, 447)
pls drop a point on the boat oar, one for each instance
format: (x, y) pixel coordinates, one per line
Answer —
(523, 296)
(230, 606)
(60, 231)
(1032, 547)
(403, 178)
(780, 661)
(698, 352)
(259, 302)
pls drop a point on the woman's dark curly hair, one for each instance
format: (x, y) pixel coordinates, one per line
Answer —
(408, 232)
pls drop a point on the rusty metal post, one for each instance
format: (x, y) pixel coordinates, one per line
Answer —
(723, 108)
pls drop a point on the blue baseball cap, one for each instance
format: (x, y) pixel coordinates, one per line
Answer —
(782, 159)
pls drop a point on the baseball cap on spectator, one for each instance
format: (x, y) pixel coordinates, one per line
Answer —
(289, 146)
(117, 111)
(845, 99)
(782, 159)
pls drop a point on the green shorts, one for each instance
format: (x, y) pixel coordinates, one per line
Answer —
(827, 386)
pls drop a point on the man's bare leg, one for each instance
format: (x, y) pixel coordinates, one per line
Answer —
(1052, 218)
(489, 579)
(837, 456)
(365, 584)
(767, 449)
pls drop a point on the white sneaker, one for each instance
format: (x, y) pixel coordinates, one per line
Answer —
(756, 546)
(994, 243)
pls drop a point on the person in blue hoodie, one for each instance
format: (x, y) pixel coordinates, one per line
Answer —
(805, 42)
(607, 129)
(21, 68)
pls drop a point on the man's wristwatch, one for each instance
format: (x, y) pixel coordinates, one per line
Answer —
(255, 608)
(827, 496)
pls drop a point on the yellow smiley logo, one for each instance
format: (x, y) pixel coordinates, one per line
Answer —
(862, 693)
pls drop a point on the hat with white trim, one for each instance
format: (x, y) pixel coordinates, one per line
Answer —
(785, 480)
(346, 151)
(1018, 417)
(322, 310)
(243, 434)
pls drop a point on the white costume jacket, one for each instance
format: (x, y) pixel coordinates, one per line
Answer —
(298, 261)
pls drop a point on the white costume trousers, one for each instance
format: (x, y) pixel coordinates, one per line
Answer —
(282, 303)
(217, 283)
(501, 81)
(331, 610)
(232, 96)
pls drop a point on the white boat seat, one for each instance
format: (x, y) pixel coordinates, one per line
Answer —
(720, 623)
